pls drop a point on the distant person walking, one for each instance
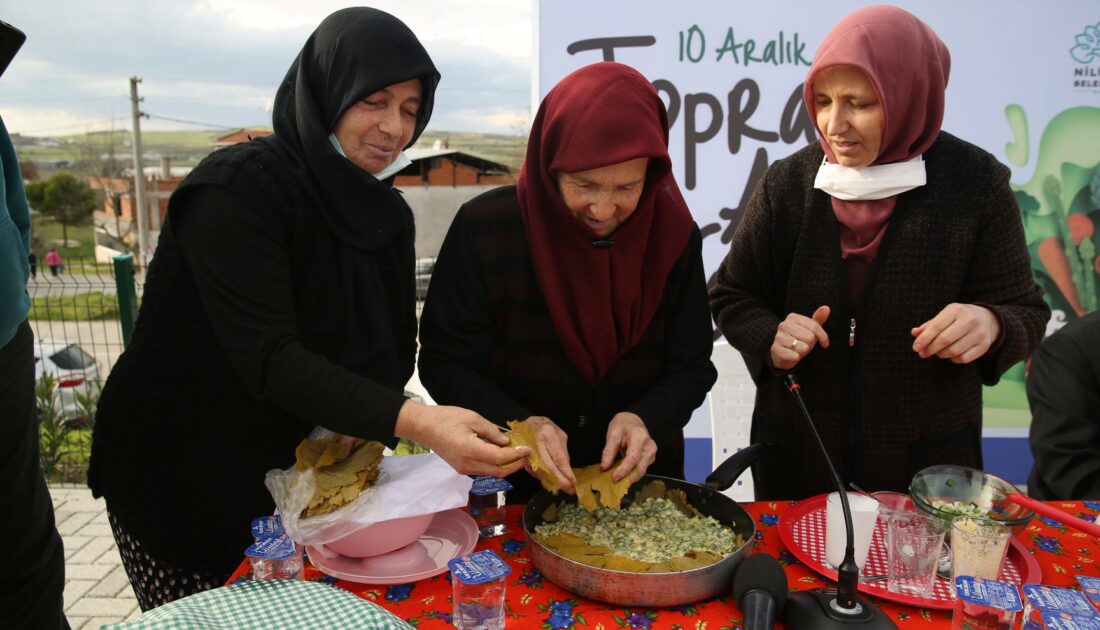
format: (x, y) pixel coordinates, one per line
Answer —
(32, 260)
(53, 259)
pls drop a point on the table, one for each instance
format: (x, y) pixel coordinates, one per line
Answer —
(534, 602)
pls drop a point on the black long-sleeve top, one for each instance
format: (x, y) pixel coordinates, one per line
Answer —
(256, 325)
(488, 344)
(242, 271)
(1063, 389)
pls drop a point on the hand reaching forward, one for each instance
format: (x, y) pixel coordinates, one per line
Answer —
(554, 451)
(960, 332)
(469, 443)
(796, 336)
(627, 434)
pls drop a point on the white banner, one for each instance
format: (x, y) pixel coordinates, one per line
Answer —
(1024, 85)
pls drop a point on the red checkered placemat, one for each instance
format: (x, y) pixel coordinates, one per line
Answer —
(802, 530)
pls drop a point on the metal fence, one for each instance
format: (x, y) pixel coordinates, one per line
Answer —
(81, 308)
(79, 326)
(75, 316)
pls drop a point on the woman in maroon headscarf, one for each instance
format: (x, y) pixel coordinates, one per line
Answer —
(886, 268)
(576, 299)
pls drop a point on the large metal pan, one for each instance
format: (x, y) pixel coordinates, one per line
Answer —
(654, 589)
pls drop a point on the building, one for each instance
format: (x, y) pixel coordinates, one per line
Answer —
(435, 184)
(240, 135)
(449, 167)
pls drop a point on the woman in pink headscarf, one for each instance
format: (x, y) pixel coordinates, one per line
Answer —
(886, 267)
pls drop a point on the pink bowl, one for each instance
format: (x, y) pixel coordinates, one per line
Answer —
(382, 537)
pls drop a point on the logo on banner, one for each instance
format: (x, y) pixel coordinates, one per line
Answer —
(1087, 51)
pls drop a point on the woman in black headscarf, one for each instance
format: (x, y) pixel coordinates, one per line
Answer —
(281, 297)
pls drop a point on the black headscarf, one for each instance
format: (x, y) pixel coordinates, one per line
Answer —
(354, 53)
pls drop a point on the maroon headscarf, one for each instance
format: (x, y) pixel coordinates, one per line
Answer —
(601, 299)
(908, 65)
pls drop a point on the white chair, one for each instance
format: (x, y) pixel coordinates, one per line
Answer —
(731, 402)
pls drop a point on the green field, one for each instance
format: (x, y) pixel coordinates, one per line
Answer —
(186, 148)
(508, 150)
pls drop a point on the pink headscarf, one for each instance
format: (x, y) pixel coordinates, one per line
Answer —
(908, 65)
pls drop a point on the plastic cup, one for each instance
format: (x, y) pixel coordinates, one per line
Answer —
(891, 503)
(864, 515)
(913, 548)
(478, 581)
(487, 505)
(275, 559)
(978, 547)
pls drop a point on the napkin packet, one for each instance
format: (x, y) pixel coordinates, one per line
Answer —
(1066, 608)
(410, 485)
(984, 604)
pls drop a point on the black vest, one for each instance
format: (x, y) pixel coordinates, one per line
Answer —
(181, 446)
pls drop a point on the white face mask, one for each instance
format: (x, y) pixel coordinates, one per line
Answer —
(870, 182)
(401, 162)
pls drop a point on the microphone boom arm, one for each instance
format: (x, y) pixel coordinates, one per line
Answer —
(848, 572)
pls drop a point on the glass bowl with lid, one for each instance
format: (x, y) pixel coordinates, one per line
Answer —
(947, 491)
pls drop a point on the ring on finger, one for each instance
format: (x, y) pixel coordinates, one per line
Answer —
(794, 343)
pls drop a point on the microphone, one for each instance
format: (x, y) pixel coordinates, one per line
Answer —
(603, 243)
(839, 607)
(760, 590)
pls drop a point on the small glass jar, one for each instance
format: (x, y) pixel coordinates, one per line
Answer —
(275, 558)
(984, 604)
(478, 581)
(487, 505)
(1040, 599)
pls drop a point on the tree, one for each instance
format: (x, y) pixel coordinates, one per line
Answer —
(65, 198)
(29, 170)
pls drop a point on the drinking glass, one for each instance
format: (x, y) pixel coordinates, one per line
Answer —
(913, 548)
(978, 546)
(864, 515)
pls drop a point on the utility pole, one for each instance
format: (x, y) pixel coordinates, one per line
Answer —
(139, 173)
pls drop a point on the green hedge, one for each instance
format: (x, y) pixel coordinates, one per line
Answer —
(91, 306)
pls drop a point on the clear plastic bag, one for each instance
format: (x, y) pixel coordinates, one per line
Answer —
(411, 485)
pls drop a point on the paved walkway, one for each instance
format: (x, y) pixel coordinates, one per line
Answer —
(96, 588)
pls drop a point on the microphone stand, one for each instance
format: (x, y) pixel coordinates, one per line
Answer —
(842, 607)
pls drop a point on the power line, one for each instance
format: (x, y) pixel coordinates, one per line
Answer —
(191, 122)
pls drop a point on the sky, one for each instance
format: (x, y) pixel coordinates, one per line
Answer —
(219, 62)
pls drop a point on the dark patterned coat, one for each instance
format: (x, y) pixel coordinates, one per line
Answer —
(883, 412)
(488, 344)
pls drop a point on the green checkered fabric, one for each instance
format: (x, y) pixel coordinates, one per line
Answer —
(265, 605)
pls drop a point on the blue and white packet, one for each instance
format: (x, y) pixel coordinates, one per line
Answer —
(479, 567)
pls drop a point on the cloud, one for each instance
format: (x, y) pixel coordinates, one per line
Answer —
(220, 61)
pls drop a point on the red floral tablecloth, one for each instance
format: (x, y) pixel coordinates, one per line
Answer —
(534, 602)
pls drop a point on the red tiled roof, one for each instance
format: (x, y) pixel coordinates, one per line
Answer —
(241, 135)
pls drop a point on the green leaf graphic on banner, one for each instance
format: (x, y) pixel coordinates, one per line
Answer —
(1017, 150)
